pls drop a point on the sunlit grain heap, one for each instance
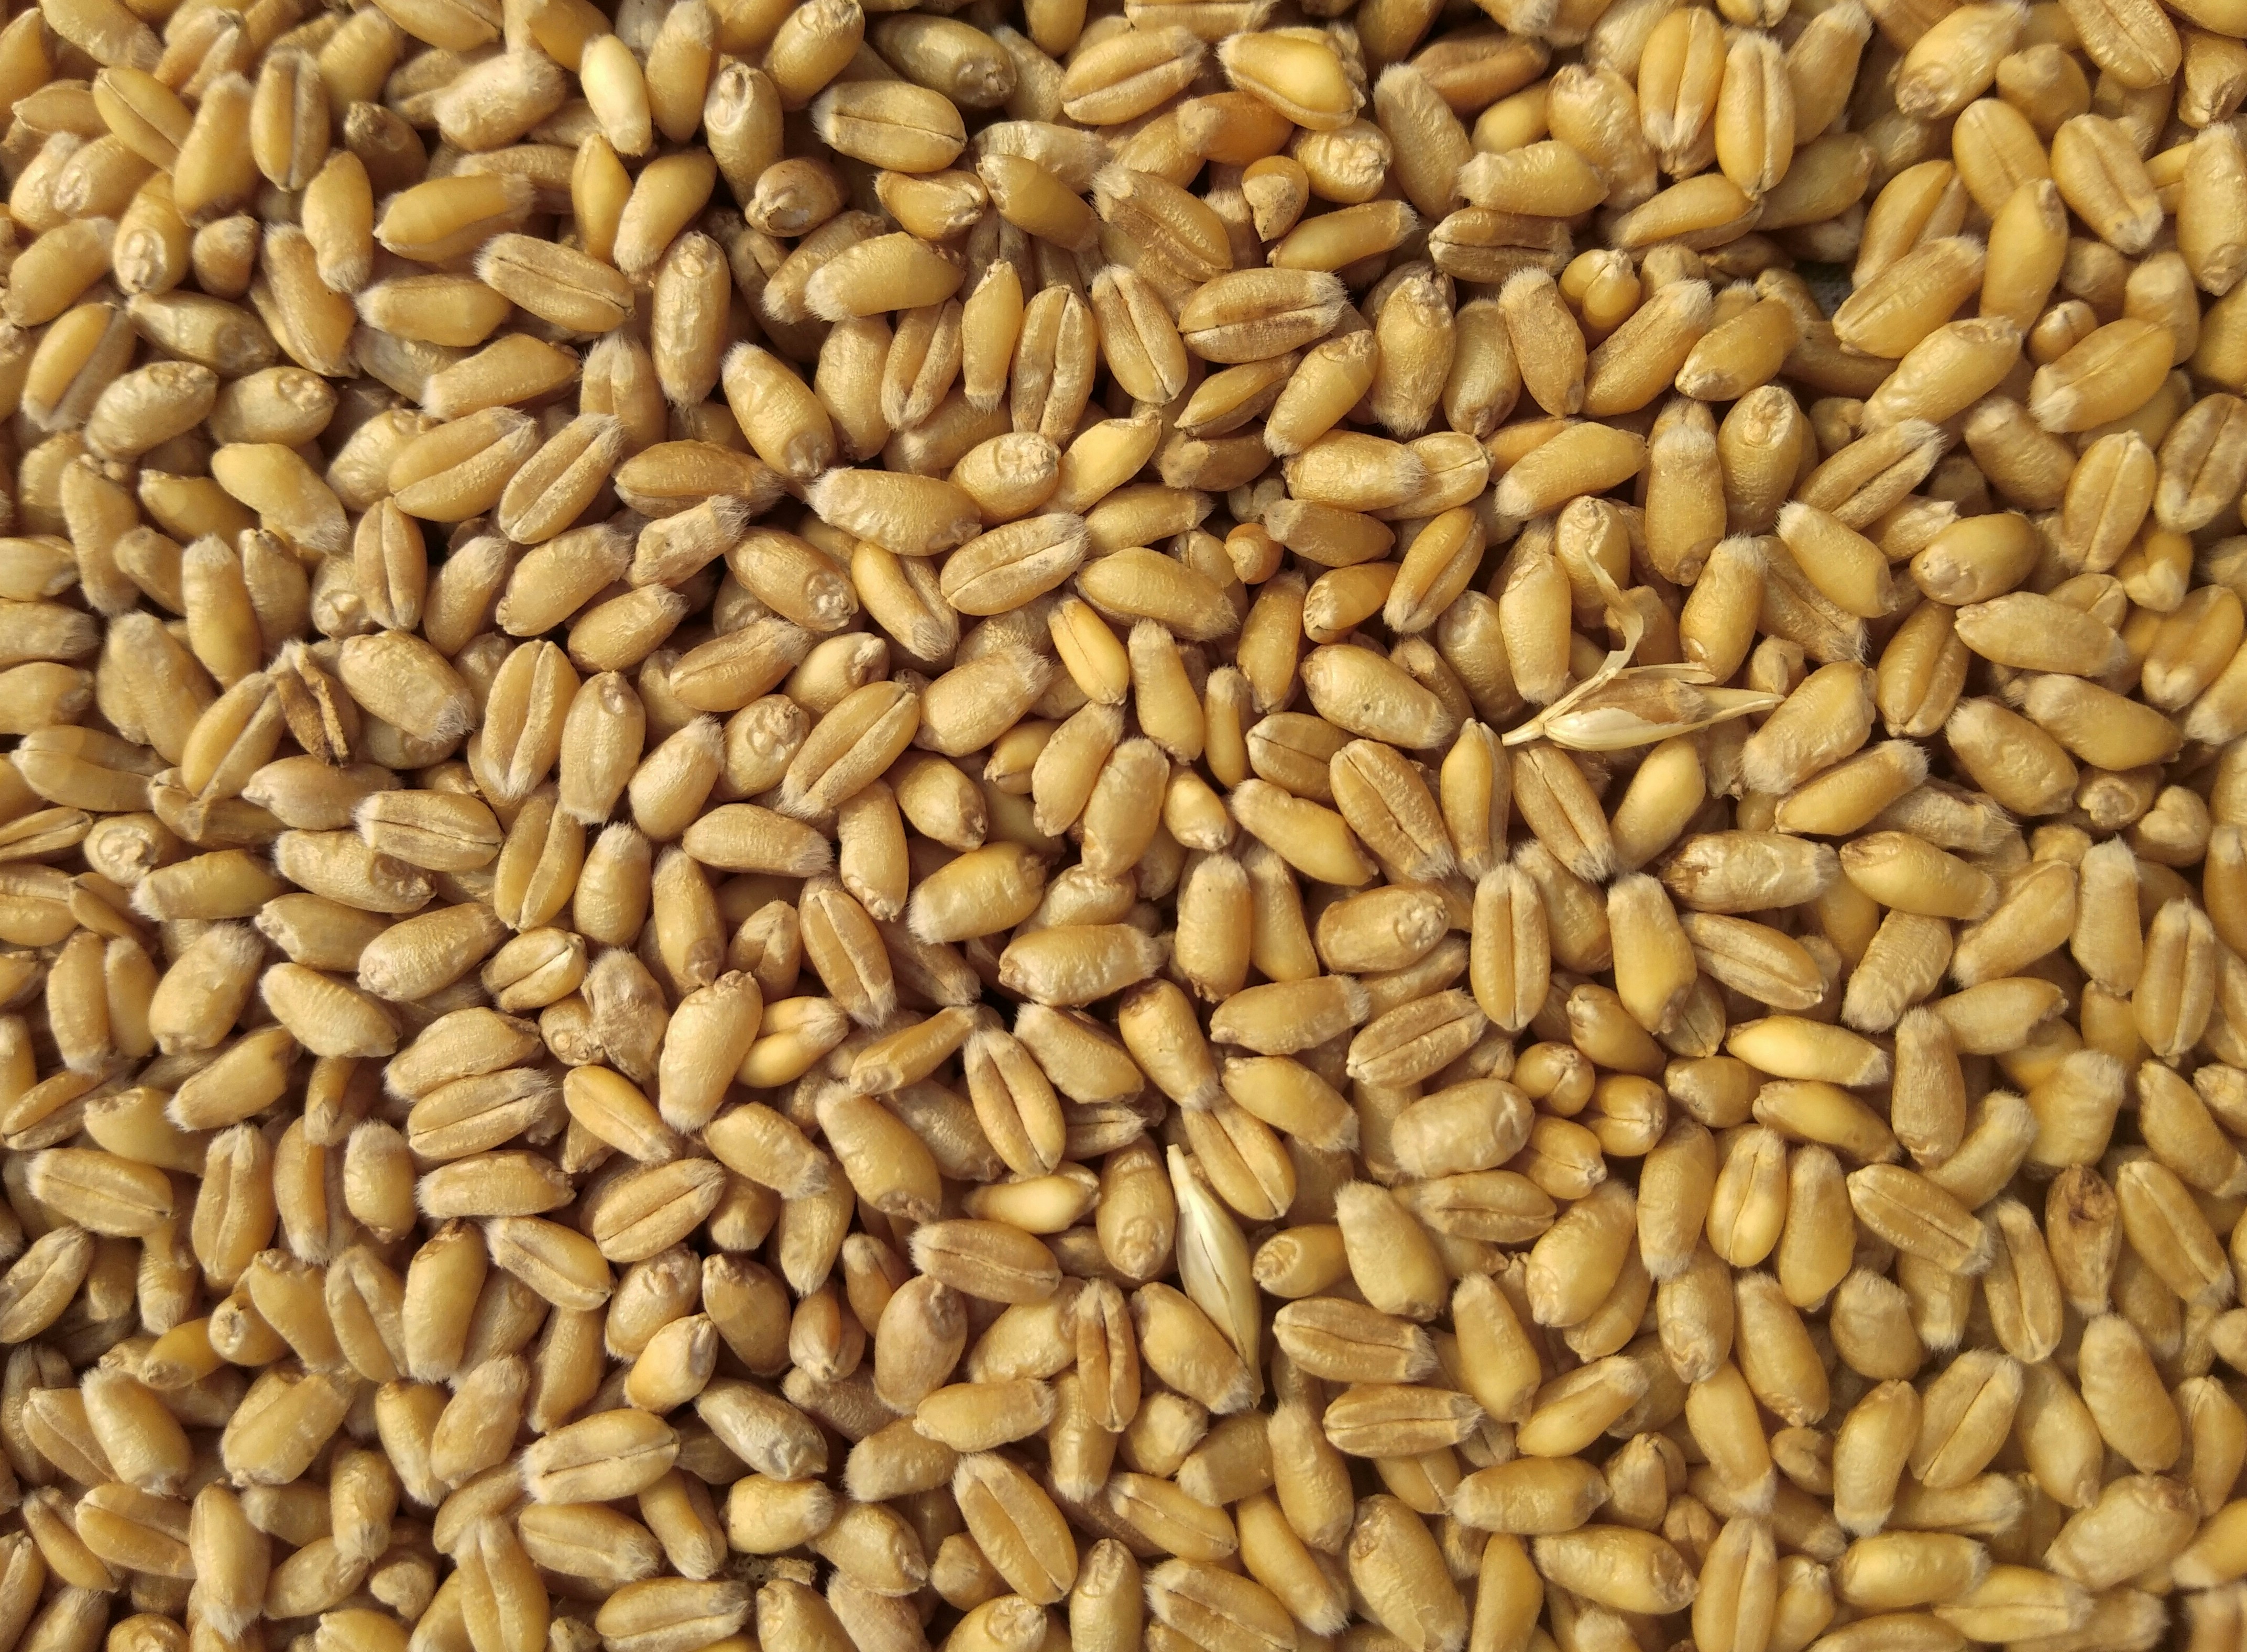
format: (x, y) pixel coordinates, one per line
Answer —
(1191, 825)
